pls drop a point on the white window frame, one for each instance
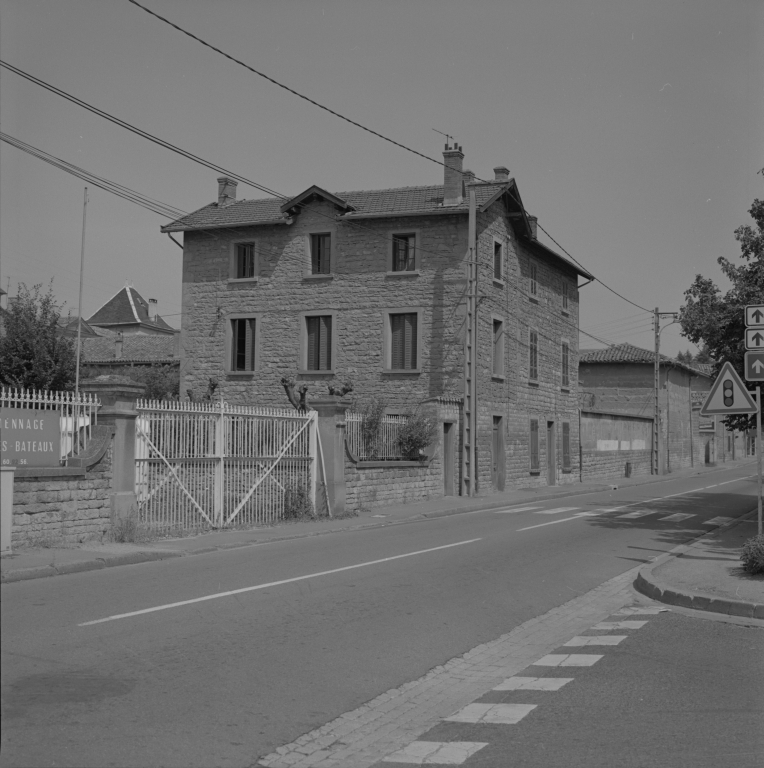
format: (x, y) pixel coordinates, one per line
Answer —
(417, 257)
(232, 260)
(331, 230)
(302, 367)
(387, 343)
(502, 243)
(228, 349)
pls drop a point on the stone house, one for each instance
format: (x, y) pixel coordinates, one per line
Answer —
(621, 380)
(129, 313)
(372, 286)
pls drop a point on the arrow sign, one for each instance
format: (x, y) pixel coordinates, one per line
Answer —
(728, 395)
(754, 315)
(754, 338)
(754, 366)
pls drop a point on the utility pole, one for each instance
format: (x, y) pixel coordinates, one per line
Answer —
(79, 308)
(657, 315)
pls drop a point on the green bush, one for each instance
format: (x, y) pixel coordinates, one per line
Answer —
(752, 555)
(297, 503)
(372, 412)
(418, 432)
(130, 530)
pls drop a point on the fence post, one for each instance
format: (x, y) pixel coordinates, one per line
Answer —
(6, 507)
(118, 395)
(331, 426)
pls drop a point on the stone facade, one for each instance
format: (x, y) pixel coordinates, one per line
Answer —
(57, 507)
(361, 290)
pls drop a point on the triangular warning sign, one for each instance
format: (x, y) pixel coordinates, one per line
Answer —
(728, 395)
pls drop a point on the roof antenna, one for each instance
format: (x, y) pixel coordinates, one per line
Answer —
(448, 138)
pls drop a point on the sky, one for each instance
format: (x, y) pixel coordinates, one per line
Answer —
(634, 130)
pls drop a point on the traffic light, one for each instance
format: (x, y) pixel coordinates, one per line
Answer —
(729, 395)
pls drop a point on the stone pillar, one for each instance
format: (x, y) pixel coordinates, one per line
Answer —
(331, 429)
(6, 507)
(118, 395)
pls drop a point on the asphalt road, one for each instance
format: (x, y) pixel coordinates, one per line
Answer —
(334, 621)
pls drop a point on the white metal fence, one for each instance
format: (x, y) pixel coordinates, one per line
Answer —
(77, 415)
(382, 446)
(216, 465)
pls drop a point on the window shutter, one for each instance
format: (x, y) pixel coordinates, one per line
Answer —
(497, 261)
(497, 347)
(312, 323)
(249, 344)
(234, 345)
(565, 445)
(565, 365)
(325, 342)
(396, 341)
(534, 444)
(534, 355)
(410, 354)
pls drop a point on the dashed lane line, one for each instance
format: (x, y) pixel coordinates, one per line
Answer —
(274, 583)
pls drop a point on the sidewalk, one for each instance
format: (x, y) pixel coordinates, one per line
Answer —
(38, 563)
(706, 574)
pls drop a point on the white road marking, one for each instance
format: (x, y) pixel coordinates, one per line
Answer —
(274, 583)
(505, 714)
(533, 683)
(638, 513)
(555, 511)
(595, 640)
(620, 624)
(717, 521)
(554, 522)
(678, 517)
(567, 660)
(509, 511)
(635, 611)
(435, 752)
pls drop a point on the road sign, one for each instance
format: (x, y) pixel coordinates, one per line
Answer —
(754, 315)
(728, 395)
(754, 338)
(754, 366)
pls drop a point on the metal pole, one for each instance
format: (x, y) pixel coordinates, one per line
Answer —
(656, 384)
(758, 454)
(79, 307)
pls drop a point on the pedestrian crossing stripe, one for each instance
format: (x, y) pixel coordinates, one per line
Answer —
(435, 752)
(513, 509)
(595, 640)
(677, 517)
(568, 660)
(622, 624)
(533, 683)
(718, 521)
(502, 714)
(638, 513)
(555, 511)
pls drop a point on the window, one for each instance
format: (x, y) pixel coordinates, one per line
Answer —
(319, 346)
(565, 296)
(565, 446)
(533, 286)
(404, 253)
(403, 341)
(565, 364)
(243, 344)
(533, 349)
(535, 445)
(243, 263)
(498, 347)
(320, 253)
(498, 261)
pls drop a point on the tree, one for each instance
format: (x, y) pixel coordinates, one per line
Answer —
(33, 353)
(716, 320)
(162, 381)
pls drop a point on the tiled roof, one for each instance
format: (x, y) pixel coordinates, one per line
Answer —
(136, 348)
(707, 368)
(628, 353)
(127, 307)
(376, 201)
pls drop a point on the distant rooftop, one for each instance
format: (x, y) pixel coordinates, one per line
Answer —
(628, 353)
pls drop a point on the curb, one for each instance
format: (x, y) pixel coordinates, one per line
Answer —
(651, 587)
(129, 558)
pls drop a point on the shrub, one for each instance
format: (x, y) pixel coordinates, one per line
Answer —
(418, 432)
(372, 413)
(752, 555)
(297, 503)
(130, 530)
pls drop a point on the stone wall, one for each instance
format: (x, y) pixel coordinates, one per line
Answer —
(66, 505)
(610, 441)
(375, 486)
(612, 464)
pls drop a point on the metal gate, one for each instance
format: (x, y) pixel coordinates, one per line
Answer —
(216, 465)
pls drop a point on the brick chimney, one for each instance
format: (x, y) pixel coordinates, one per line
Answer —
(468, 176)
(501, 173)
(534, 225)
(153, 310)
(453, 183)
(226, 191)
